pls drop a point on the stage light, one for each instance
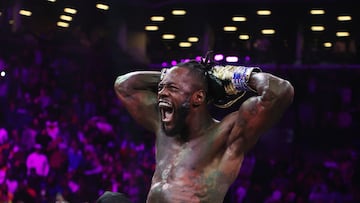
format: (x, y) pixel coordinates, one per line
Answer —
(218, 57)
(268, 31)
(193, 39)
(263, 12)
(238, 19)
(244, 37)
(66, 18)
(327, 44)
(2, 73)
(70, 10)
(184, 44)
(344, 18)
(317, 12)
(62, 24)
(25, 12)
(164, 64)
(317, 28)
(230, 28)
(168, 36)
(151, 28)
(342, 34)
(102, 6)
(232, 59)
(157, 18)
(178, 12)
(173, 63)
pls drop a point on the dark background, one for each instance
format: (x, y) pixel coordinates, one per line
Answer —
(57, 91)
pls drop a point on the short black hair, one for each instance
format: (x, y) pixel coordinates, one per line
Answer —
(202, 70)
(197, 69)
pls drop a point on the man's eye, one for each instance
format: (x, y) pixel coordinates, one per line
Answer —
(160, 88)
(173, 88)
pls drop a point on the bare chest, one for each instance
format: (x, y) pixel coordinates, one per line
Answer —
(190, 170)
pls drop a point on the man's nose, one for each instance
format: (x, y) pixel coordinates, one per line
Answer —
(163, 92)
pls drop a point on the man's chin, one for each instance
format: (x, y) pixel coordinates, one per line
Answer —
(169, 129)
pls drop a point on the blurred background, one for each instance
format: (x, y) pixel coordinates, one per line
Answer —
(64, 137)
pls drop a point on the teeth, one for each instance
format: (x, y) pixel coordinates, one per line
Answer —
(164, 104)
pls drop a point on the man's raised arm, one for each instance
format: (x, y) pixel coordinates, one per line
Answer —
(258, 114)
(138, 93)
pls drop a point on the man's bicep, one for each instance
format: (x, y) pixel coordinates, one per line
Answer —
(256, 117)
(142, 106)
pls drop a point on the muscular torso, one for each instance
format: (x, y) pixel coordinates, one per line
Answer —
(200, 170)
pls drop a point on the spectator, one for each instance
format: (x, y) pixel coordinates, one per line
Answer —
(38, 161)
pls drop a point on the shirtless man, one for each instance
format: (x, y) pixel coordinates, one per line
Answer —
(197, 156)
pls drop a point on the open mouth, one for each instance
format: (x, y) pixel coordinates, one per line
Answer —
(166, 110)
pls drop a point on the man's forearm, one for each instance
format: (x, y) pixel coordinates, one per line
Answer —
(270, 87)
(135, 81)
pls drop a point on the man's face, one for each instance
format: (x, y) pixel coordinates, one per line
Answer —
(174, 93)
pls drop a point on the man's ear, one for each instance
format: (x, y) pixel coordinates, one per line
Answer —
(198, 97)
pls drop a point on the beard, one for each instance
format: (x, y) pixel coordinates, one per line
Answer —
(179, 126)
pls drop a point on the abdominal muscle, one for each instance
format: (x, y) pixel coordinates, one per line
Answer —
(188, 187)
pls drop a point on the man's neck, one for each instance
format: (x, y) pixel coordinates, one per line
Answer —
(198, 122)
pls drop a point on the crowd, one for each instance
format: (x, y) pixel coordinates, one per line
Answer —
(65, 137)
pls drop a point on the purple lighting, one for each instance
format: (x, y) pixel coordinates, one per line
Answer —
(247, 58)
(218, 57)
(198, 58)
(164, 64)
(173, 62)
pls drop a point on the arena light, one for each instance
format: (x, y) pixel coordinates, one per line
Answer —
(168, 36)
(102, 6)
(151, 28)
(66, 18)
(178, 12)
(51, 0)
(185, 44)
(157, 18)
(327, 44)
(317, 11)
(173, 63)
(193, 39)
(239, 19)
(62, 24)
(263, 12)
(232, 59)
(230, 28)
(244, 37)
(344, 18)
(70, 10)
(317, 28)
(268, 31)
(218, 57)
(342, 34)
(164, 64)
(25, 12)
(2, 73)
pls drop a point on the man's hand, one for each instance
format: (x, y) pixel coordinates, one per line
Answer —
(233, 81)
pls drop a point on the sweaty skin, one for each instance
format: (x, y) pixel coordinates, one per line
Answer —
(198, 157)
